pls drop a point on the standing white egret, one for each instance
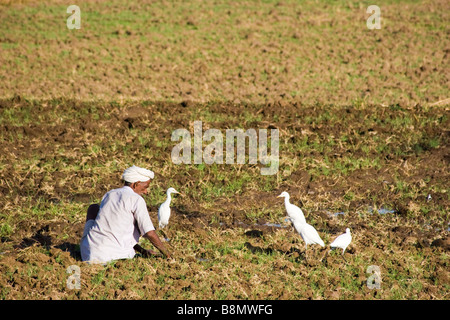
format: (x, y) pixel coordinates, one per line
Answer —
(308, 233)
(342, 241)
(292, 210)
(164, 209)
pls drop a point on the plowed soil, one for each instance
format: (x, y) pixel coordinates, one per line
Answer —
(363, 119)
(66, 154)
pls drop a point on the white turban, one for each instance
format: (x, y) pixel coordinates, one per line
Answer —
(135, 174)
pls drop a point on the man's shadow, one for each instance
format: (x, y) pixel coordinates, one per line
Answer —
(41, 238)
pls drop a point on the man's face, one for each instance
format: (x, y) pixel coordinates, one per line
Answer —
(140, 187)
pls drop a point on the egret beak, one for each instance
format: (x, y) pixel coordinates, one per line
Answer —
(280, 196)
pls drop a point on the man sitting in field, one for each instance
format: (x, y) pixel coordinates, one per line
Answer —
(113, 228)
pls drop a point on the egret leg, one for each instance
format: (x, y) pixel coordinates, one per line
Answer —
(325, 256)
(344, 257)
(164, 235)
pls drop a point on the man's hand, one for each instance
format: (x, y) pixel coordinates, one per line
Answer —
(154, 239)
(147, 253)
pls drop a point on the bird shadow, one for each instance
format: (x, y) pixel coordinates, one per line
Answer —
(295, 253)
(257, 249)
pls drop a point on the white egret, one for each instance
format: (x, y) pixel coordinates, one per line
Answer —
(164, 209)
(292, 210)
(308, 233)
(342, 241)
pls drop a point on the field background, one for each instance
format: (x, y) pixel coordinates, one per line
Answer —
(364, 139)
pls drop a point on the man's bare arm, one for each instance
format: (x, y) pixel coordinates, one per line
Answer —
(154, 239)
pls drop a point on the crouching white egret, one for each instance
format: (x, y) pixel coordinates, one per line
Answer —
(342, 241)
(164, 209)
(292, 210)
